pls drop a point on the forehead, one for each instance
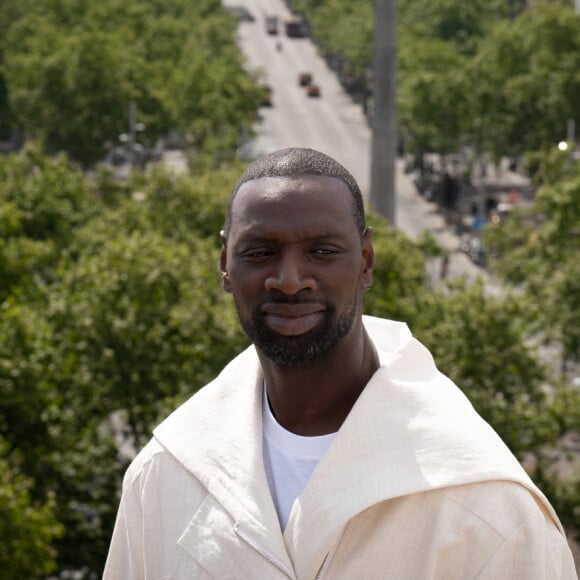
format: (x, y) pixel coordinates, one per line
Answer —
(293, 201)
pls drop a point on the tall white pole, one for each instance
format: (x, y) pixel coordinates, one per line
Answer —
(384, 139)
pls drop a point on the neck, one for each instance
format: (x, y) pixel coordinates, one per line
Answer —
(315, 399)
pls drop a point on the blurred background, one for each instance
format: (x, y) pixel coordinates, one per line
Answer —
(123, 128)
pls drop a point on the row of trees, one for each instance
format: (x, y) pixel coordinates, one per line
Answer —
(111, 309)
(69, 69)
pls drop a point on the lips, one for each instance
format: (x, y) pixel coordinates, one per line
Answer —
(292, 319)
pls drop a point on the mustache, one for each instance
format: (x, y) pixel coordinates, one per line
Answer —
(287, 300)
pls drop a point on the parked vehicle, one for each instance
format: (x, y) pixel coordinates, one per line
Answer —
(313, 90)
(266, 95)
(272, 24)
(304, 79)
(428, 185)
(295, 27)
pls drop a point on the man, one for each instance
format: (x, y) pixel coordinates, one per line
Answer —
(333, 447)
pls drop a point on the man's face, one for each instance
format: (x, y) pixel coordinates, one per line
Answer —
(296, 265)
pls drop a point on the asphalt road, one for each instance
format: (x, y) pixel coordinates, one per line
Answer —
(332, 123)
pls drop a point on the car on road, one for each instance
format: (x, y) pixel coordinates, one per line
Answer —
(304, 79)
(272, 24)
(313, 90)
(295, 27)
(266, 95)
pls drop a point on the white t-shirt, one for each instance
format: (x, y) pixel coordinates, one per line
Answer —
(289, 460)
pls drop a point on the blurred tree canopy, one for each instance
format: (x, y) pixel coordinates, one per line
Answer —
(525, 81)
(121, 317)
(537, 250)
(68, 71)
(112, 314)
(27, 527)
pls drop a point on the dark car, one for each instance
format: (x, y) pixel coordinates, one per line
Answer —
(272, 24)
(295, 27)
(313, 90)
(266, 95)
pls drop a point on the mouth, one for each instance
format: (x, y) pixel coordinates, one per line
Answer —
(292, 319)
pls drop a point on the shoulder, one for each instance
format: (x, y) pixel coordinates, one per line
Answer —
(501, 506)
(487, 512)
(518, 533)
(152, 453)
(156, 480)
(388, 335)
(486, 531)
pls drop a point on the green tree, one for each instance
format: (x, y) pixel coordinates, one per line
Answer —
(69, 71)
(345, 30)
(433, 99)
(70, 88)
(537, 250)
(27, 527)
(42, 201)
(482, 343)
(142, 319)
(525, 81)
(453, 21)
(400, 284)
(120, 316)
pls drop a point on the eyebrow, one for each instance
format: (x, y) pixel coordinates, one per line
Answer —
(269, 238)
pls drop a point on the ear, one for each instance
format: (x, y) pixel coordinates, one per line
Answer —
(368, 255)
(226, 284)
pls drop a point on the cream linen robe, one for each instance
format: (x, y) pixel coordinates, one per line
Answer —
(415, 486)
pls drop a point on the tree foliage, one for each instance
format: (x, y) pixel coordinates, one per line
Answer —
(537, 249)
(71, 69)
(119, 320)
(27, 527)
(526, 81)
(433, 107)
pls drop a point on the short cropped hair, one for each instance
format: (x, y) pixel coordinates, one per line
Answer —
(299, 161)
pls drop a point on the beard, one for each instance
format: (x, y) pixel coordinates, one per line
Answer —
(301, 349)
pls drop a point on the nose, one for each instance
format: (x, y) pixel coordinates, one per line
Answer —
(290, 274)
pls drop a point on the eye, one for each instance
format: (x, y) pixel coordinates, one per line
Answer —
(324, 251)
(257, 254)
